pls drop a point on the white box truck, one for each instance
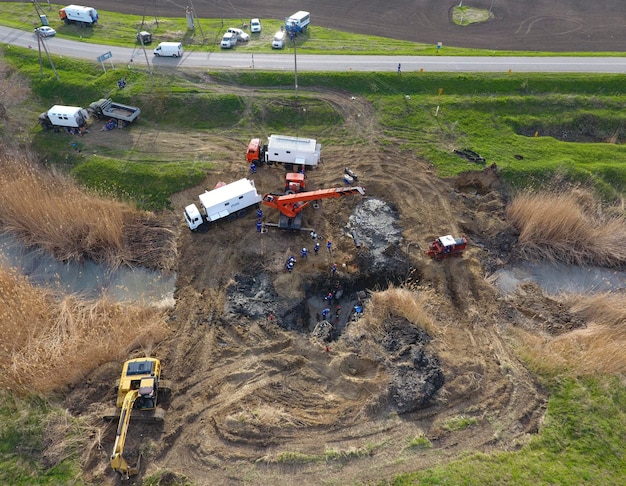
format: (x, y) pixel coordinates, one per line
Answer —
(229, 201)
(64, 116)
(169, 49)
(77, 14)
(283, 149)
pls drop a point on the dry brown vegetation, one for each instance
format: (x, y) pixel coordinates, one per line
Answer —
(568, 227)
(49, 344)
(597, 348)
(49, 211)
(396, 302)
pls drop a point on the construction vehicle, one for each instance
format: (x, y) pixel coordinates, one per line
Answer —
(107, 108)
(77, 14)
(446, 247)
(225, 201)
(73, 117)
(283, 149)
(140, 388)
(291, 205)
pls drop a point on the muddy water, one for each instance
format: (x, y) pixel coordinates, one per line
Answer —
(559, 278)
(87, 279)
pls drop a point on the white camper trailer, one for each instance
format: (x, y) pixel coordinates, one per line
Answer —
(64, 116)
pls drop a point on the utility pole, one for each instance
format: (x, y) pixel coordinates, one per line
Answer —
(143, 47)
(45, 48)
(295, 64)
(40, 59)
(193, 13)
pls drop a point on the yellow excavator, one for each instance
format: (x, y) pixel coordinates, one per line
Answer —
(139, 389)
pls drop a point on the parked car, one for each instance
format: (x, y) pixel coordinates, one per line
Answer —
(279, 40)
(229, 40)
(45, 31)
(255, 25)
(241, 35)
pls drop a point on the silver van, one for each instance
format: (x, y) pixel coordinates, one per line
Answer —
(279, 40)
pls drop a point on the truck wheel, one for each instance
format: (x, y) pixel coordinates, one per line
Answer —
(156, 55)
(232, 217)
(174, 55)
(241, 213)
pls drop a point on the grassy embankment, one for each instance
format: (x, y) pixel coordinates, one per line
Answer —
(496, 115)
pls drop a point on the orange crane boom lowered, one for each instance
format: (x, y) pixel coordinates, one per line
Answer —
(291, 205)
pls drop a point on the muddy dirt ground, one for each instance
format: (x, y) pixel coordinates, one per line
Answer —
(556, 26)
(258, 378)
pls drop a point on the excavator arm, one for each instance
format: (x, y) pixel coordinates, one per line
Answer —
(118, 463)
(292, 204)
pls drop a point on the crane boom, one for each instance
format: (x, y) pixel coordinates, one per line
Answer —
(291, 205)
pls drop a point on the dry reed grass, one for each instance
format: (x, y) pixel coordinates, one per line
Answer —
(568, 227)
(49, 211)
(393, 303)
(49, 344)
(598, 348)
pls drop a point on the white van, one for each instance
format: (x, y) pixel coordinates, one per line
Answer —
(255, 25)
(169, 49)
(228, 41)
(279, 40)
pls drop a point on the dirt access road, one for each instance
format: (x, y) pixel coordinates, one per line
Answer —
(262, 400)
(533, 25)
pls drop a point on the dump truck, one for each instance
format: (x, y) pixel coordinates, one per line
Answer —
(79, 15)
(107, 108)
(72, 117)
(291, 205)
(446, 247)
(229, 201)
(139, 390)
(283, 149)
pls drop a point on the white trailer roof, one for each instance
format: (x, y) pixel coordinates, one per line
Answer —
(226, 193)
(294, 143)
(447, 240)
(64, 110)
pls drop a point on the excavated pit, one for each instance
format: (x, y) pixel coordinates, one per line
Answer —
(331, 303)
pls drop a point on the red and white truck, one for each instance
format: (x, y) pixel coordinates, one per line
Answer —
(283, 149)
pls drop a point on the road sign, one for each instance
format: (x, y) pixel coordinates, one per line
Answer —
(105, 56)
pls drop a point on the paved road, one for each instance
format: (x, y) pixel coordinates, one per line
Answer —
(285, 61)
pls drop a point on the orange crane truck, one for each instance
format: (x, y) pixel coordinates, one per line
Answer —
(291, 205)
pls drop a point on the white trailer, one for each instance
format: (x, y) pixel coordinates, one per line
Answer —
(77, 14)
(229, 201)
(64, 116)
